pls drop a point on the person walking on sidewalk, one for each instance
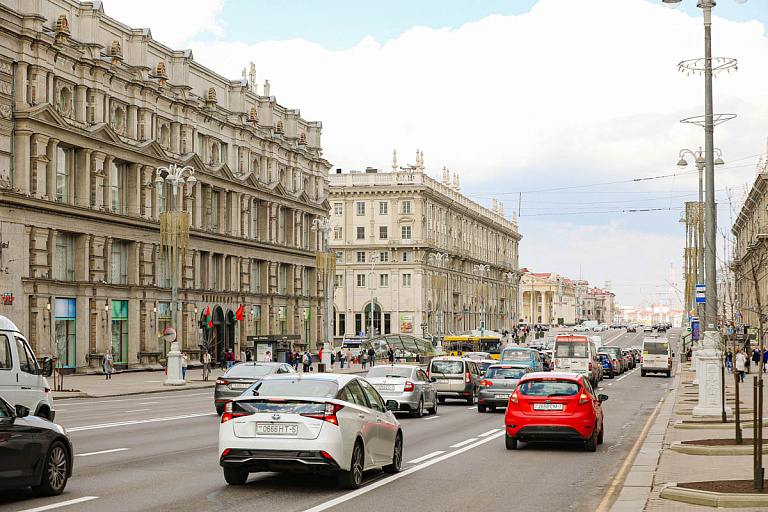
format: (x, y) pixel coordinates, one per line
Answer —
(756, 359)
(206, 365)
(109, 364)
(349, 358)
(184, 363)
(371, 356)
(363, 358)
(740, 363)
(729, 361)
(305, 362)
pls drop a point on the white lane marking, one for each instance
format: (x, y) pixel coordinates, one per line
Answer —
(458, 445)
(610, 383)
(138, 422)
(61, 504)
(486, 434)
(82, 401)
(431, 418)
(153, 381)
(600, 388)
(146, 403)
(137, 410)
(389, 480)
(425, 457)
(471, 407)
(624, 377)
(101, 452)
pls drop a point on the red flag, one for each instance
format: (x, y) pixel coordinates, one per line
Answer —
(239, 314)
(208, 318)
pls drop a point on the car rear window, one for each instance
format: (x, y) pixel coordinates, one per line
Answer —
(388, 371)
(249, 370)
(455, 367)
(571, 349)
(505, 373)
(516, 355)
(653, 347)
(283, 406)
(294, 387)
(549, 387)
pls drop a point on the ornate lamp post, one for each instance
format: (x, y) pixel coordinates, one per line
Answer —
(440, 259)
(326, 265)
(482, 269)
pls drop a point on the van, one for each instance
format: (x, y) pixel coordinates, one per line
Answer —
(523, 355)
(657, 356)
(577, 354)
(22, 380)
(598, 341)
(454, 377)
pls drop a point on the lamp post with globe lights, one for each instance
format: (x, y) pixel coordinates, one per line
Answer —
(326, 265)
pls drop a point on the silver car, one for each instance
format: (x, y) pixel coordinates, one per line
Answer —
(242, 376)
(408, 385)
(499, 381)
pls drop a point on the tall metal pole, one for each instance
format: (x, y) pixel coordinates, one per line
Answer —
(709, 146)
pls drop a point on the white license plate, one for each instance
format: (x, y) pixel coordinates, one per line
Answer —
(502, 396)
(385, 387)
(547, 407)
(277, 429)
(239, 386)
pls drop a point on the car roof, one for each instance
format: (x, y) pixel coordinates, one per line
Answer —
(553, 375)
(408, 366)
(7, 325)
(450, 358)
(340, 378)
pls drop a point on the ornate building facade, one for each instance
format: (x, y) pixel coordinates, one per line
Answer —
(551, 297)
(414, 243)
(89, 110)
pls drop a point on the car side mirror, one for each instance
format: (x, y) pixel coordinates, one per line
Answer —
(433, 379)
(392, 405)
(602, 398)
(22, 411)
(46, 369)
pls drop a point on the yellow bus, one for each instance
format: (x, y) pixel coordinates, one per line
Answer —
(473, 341)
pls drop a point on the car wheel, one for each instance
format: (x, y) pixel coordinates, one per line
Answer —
(397, 456)
(480, 408)
(613, 374)
(669, 373)
(642, 373)
(510, 442)
(353, 478)
(600, 435)
(419, 411)
(471, 398)
(590, 444)
(219, 410)
(433, 409)
(235, 476)
(441, 399)
(54, 471)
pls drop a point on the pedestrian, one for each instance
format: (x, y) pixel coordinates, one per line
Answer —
(333, 359)
(184, 362)
(349, 358)
(289, 358)
(230, 358)
(268, 357)
(340, 357)
(242, 356)
(398, 355)
(206, 365)
(248, 355)
(309, 354)
(371, 356)
(305, 362)
(296, 359)
(756, 359)
(729, 361)
(108, 363)
(391, 355)
(740, 364)
(765, 358)
(363, 358)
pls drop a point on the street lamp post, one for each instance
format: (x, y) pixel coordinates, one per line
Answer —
(174, 227)
(373, 299)
(327, 266)
(482, 269)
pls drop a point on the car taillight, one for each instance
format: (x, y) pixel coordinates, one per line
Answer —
(513, 397)
(641, 359)
(486, 383)
(669, 360)
(409, 386)
(225, 452)
(427, 372)
(329, 414)
(47, 390)
(222, 382)
(590, 366)
(583, 399)
(467, 378)
(227, 412)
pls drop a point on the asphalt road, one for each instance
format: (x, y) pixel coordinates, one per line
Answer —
(158, 452)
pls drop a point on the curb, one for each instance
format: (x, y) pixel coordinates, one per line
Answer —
(689, 412)
(714, 499)
(697, 449)
(715, 426)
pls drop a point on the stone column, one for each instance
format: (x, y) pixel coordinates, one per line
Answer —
(710, 386)
(50, 178)
(133, 190)
(131, 121)
(107, 188)
(20, 83)
(175, 137)
(197, 208)
(21, 160)
(83, 178)
(236, 213)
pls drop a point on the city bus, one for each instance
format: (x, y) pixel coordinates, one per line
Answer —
(473, 341)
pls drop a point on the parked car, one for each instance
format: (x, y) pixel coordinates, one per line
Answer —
(527, 356)
(408, 385)
(324, 422)
(241, 377)
(498, 383)
(580, 328)
(34, 452)
(455, 377)
(476, 356)
(555, 407)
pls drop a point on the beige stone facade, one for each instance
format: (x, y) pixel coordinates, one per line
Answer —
(89, 109)
(551, 297)
(403, 220)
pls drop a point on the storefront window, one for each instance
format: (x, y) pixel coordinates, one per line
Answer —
(65, 332)
(120, 331)
(283, 320)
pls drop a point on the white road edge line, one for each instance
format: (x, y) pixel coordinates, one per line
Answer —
(486, 434)
(458, 445)
(431, 418)
(138, 422)
(389, 480)
(137, 410)
(425, 457)
(101, 452)
(61, 504)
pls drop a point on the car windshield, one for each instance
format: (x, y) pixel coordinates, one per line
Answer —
(516, 355)
(249, 370)
(653, 347)
(571, 349)
(614, 351)
(549, 387)
(388, 371)
(295, 387)
(455, 367)
(505, 373)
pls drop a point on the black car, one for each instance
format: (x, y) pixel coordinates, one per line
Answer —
(34, 452)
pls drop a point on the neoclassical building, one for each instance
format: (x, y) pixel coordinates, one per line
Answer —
(89, 110)
(550, 297)
(414, 243)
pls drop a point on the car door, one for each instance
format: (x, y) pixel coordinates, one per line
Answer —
(384, 443)
(430, 394)
(365, 419)
(30, 383)
(17, 447)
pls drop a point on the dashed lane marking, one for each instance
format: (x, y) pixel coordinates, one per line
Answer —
(101, 452)
(61, 504)
(486, 434)
(459, 445)
(431, 418)
(426, 457)
(137, 410)
(138, 422)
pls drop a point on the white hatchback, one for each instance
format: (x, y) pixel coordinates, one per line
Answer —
(321, 423)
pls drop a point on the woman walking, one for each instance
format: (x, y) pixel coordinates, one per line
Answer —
(108, 363)
(184, 361)
(740, 363)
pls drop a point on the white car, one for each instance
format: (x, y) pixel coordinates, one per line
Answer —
(580, 328)
(324, 423)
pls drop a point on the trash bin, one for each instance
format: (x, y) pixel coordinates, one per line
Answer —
(321, 367)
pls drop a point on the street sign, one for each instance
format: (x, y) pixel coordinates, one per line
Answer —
(701, 293)
(169, 334)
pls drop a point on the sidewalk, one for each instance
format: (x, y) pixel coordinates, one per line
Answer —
(136, 382)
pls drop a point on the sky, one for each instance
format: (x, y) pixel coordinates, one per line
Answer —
(560, 109)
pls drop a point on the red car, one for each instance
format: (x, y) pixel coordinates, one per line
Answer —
(554, 407)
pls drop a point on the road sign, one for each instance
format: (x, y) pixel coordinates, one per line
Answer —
(169, 334)
(701, 293)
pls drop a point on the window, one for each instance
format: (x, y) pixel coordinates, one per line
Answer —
(361, 232)
(163, 321)
(282, 280)
(376, 402)
(162, 197)
(406, 207)
(27, 361)
(406, 232)
(406, 279)
(256, 319)
(119, 263)
(283, 319)
(384, 280)
(337, 208)
(339, 257)
(383, 232)
(63, 173)
(120, 331)
(256, 277)
(65, 257)
(406, 256)
(361, 257)
(383, 208)
(255, 220)
(305, 283)
(337, 233)
(5, 353)
(361, 208)
(281, 223)
(117, 187)
(361, 280)
(338, 280)
(215, 211)
(384, 257)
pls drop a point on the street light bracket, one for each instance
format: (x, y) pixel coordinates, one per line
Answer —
(719, 64)
(702, 120)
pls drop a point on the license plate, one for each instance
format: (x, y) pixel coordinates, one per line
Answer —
(443, 381)
(277, 429)
(385, 387)
(239, 386)
(502, 396)
(547, 407)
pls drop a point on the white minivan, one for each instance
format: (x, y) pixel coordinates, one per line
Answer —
(22, 380)
(577, 354)
(657, 356)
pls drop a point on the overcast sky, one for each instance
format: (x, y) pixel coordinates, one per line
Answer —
(554, 107)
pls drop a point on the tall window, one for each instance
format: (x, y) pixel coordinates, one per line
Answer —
(361, 208)
(256, 277)
(361, 232)
(117, 187)
(383, 208)
(163, 321)
(406, 279)
(215, 211)
(63, 173)
(361, 256)
(66, 334)
(119, 262)
(283, 320)
(361, 280)
(384, 257)
(281, 215)
(406, 232)
(338, 280)
(162, 197)
(338, 208)
(305, 283)
(383, 232)
(65, 257)
(255, 220)
(406, 256)
(406, 207)
(337, 233)
(120, 331)
(282, 279)
(339, 257)
(384, 280)
(257, 320)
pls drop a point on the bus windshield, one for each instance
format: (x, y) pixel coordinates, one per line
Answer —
(491, 346)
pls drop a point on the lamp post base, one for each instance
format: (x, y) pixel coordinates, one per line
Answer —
(174, 367)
